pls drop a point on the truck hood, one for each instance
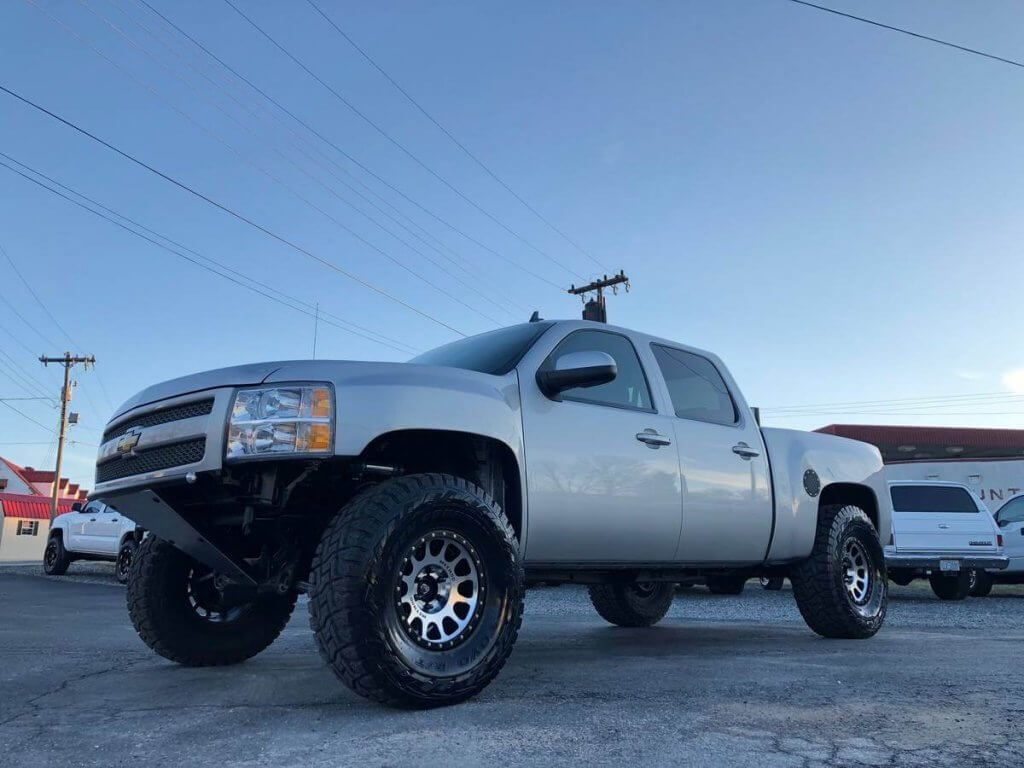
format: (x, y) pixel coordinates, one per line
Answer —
(341, 373)
(235, 376)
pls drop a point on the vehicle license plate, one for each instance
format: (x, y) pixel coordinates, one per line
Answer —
(949, 565)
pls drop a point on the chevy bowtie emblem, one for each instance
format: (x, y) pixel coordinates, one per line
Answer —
(126, 445)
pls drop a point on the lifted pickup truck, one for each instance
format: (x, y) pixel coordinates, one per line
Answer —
(414, 502)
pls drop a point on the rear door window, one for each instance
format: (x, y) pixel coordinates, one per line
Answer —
(931, 498)
(695, 386)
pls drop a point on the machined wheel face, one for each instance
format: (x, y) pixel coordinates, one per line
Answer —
(858, 572)
(206, 601)
(439, 590)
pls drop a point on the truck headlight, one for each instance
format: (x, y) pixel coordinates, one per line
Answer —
(281, 420)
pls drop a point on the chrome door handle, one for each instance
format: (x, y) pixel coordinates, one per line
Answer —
(652, 439)
(744, 450)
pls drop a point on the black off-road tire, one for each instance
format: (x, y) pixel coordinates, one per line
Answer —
(355, 589)
(56, 559)
(955, 586)
(820, 582)
(982, 583)
(125, 557)
(159, 607)
(632, 605)
(726, 585)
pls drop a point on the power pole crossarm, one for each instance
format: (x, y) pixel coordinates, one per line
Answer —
(595, 308)
(68, 361)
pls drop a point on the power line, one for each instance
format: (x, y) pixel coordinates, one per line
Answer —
(397, 143)
(261, 169)
(454, 140)
(906, 400)
(25, 416)
(333, 145)
(231, 212)
(191, 260)
(894, 413)
(903, 31)
(299, 144)
(347, 325)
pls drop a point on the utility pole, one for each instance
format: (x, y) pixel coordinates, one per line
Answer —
(68, 361)
(595, 309)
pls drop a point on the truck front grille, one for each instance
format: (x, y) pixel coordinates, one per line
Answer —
(151, 460)
(165, 416)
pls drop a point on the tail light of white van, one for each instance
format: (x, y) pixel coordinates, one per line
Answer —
(999, 539)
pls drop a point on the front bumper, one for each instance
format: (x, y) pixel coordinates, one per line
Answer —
(930, 560)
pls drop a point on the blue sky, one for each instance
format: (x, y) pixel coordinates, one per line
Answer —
(831, 207)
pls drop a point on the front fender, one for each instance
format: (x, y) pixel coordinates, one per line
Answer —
(373, 399)
(803, 465)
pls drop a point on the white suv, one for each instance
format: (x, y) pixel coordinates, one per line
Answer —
(940, 530)
(96, 531)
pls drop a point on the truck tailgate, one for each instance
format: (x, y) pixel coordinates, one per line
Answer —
(947, 531)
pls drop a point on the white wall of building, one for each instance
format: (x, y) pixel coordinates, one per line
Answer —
(14, 483)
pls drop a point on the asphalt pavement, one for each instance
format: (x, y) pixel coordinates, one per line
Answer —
(722, 681)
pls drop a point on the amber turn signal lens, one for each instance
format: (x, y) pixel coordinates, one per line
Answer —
(321, 403)
(319, 437)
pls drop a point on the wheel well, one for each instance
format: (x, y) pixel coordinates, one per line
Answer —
(489, 463)
(56, 533)
(852, 493)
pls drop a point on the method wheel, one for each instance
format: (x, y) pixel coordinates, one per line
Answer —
(56, 559)
(981, 584)
(416, 591)
(726, 585)
(178, 611)
(125, 555)
(954, 586)
(841, 589)
(641, 604)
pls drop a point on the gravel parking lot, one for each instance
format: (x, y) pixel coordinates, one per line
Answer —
(722, 681)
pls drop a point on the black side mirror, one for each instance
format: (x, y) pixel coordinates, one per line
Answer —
(76, 507)
(577, 369)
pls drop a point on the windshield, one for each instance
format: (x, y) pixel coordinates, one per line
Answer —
(494, 352)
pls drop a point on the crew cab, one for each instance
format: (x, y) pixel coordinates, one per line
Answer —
(414, 502)
(943, 533)
(95, 531)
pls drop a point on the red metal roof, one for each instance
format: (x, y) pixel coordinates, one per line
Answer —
(27, 507)
(902, 443)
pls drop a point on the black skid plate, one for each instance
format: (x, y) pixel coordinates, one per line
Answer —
(154, 514)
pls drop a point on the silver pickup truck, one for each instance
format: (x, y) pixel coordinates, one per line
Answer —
(414, 502)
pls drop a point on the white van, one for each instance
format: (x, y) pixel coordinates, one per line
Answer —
(943, 532)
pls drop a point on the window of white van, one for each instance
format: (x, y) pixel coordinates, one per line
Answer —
(931, 498)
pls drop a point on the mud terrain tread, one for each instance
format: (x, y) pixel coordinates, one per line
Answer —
(342, 575)
(153, 584)
(824, 609)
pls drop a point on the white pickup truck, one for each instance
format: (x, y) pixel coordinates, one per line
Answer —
(415, 501)
(942, 532)
(95, 531)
